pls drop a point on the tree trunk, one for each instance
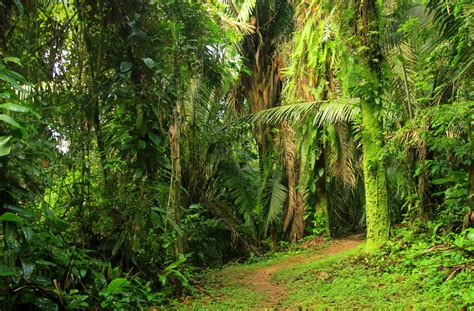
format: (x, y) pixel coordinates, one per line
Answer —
(376, 202)
(174, 211)
(5, 11)
(293, 221)
(321, 207)
(471, 170)
(376, 199)
(469, 217)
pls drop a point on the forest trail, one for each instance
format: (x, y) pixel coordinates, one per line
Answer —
(259, 280)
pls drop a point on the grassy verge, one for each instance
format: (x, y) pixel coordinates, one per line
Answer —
(417, 274)
(421, 274)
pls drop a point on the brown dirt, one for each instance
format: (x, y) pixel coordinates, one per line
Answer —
(260, 279)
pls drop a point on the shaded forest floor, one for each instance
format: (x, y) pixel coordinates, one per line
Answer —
(325, 274)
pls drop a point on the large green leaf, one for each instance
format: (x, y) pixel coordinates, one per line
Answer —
(125, 66)
(12, 79)
(176, 263)
(277, 196)
(8, 216)
(9, 120)
(5, 150)
(116, 285)
(18, 210)
(246, 10)
(150, 63)
(10, 59)
(5, 95)
(4, 140)
(14, 107)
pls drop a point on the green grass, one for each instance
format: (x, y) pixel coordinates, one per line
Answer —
(344, 280)
(338, 282)
(221, 294)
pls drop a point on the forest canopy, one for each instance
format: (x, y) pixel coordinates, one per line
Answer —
(144, 140)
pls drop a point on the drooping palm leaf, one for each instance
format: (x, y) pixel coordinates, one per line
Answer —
(246, 10)
(242, 27)
(242, 184)
(341, 110)
(277, 194)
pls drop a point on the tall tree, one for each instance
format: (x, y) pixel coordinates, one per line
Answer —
(262, 88)
(366, 28)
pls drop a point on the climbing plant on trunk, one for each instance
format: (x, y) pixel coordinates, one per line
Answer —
(366, 29)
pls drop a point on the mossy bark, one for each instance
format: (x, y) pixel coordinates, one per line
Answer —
(376, 200)
(376, 206)
(322, 202)
(322, 214)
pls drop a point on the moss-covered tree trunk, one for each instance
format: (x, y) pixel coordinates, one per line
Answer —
(376, 202)
(322, 201)
(376, 199)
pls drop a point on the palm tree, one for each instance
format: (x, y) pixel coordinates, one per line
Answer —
(262, 88)
(311, 77)
(365, 28)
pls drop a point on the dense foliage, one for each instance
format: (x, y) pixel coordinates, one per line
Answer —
(141, 140)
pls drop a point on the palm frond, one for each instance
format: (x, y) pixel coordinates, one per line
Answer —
(342, 164)
(341, 110)
(277, 197)
(457, 29)
(242, 27)
(242, 185)
(444, 17)
(246, 10)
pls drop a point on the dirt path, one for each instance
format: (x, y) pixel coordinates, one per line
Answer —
(260, 280)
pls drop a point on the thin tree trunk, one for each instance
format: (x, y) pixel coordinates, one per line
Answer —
(469, 217)
(174, 209)
(174, 203)
(471, 169)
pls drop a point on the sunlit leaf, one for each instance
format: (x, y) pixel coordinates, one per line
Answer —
(5, 150)
(14, 60)
(14, 107)
(150, 63)
(116, 285)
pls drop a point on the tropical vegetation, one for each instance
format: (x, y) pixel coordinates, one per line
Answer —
(144, 141)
